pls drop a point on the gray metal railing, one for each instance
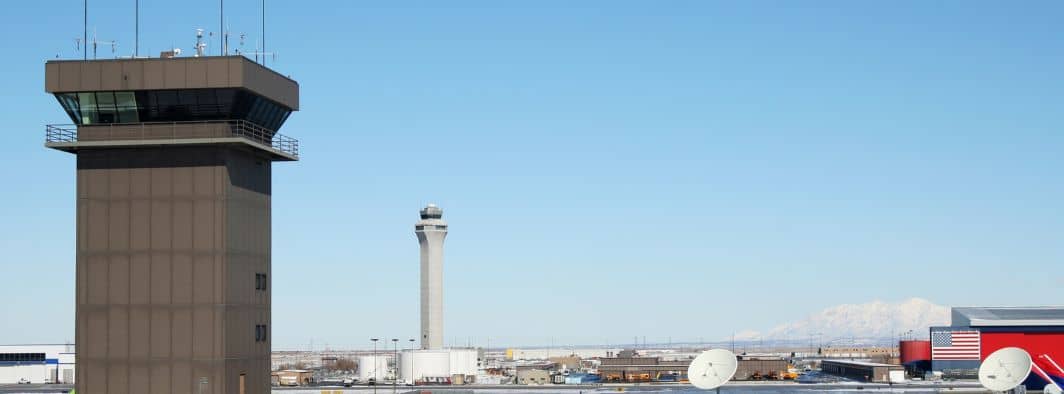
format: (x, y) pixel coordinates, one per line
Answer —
(68, 133)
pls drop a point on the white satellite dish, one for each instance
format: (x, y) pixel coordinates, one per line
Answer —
(1052, 389)
(712, 369)
(1005, 369)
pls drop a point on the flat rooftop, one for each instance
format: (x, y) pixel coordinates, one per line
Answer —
(862, 363)
(1043, 316)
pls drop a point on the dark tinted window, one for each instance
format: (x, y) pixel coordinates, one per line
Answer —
(87, 108)
(260, 333)
(21, 357)
(260, 281)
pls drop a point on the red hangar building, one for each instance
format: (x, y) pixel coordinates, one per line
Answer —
(974, 333)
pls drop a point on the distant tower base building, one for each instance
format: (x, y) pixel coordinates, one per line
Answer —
(174, 168)
(431, 230)
(442, 366)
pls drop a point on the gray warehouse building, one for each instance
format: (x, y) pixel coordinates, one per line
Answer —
(863, 371)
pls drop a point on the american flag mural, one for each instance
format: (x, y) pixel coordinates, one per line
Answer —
(955, 345)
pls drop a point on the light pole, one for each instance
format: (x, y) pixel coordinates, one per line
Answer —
(395, 379)
(413, 376)
(374, 364)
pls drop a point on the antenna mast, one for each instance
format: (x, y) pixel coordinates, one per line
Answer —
(136, 27)
(85, 34)
(221, 23)
(263, 31)
(200, 45)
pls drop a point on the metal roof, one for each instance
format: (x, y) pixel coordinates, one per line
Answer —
(862, 363)
(1008, 316)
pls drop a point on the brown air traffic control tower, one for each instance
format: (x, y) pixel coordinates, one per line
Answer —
(173, 219)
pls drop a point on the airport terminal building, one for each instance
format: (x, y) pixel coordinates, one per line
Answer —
(37, 364)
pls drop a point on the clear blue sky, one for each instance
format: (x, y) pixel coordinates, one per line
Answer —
(609, 168)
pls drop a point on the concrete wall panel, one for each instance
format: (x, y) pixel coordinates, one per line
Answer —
(182, 332)
(140, 279)
(111, 74)
(97, 225)
(203, 326)
(95, 333)
(140, 182)
(160, 379)
(118, 221)
(161, 275)
(139, 333)
(197, 72)
(175, 75)
(160, 334)
(217, 72)
(153, 79)
(140, 225)
(118, 280)
(89, 77)
(117, 332)
(182, 377)
(182, 226)
(133, 75)
(203, 280)
(51, 77)
(92, 377)
(139, 378)
(182, 278)
(96, 268)
(161, 214)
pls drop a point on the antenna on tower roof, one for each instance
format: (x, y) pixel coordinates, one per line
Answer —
(221, 25)
(136, 28)
(264, 31)
(200, 45)
(85, 32)
(225, 42)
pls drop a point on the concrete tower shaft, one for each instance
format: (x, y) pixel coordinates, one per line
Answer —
(431, 230)
(174, 191)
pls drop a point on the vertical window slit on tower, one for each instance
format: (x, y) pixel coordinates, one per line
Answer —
(260, 281)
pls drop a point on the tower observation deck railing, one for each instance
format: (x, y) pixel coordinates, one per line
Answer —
(171, 132)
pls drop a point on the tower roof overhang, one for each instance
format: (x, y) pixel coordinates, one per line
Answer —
(171, 74)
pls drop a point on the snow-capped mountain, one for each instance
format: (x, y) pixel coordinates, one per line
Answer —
(875, 319)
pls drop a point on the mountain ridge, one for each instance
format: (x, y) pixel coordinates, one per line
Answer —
(876, 319)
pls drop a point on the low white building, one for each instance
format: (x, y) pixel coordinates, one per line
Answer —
(373, 368)
(37, 364)
(425, 365)
(547, 353)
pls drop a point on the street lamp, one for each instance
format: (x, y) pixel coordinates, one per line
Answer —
(374, 364)
(413, 376)
(395, 379)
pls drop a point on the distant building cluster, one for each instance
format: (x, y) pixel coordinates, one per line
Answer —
(37, 364)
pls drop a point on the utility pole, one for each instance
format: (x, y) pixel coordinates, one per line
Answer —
(136, 29)
(395, 379)
(413, 377)
(221, 25)
(374, 364)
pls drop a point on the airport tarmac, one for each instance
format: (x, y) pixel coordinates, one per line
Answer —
(34, 388)
(733, 388)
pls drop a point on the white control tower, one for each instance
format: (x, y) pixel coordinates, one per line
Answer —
(431, 230)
